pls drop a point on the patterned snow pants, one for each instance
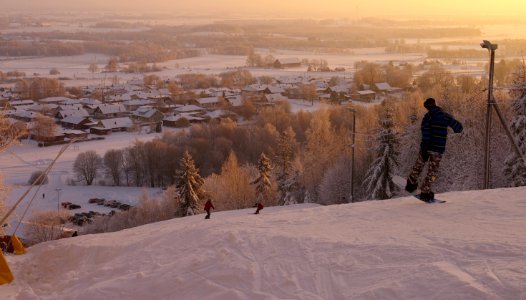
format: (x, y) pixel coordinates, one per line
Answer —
(432, 170)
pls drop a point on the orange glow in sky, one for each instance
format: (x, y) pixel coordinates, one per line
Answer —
(295, 8)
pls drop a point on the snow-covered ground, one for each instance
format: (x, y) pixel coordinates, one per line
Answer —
(472, 247)
(19, 162)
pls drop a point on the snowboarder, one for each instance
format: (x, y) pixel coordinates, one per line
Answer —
(208, 206)
(259, 207)
(434, 136)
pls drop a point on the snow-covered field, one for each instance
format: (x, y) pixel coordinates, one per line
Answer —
(18, 162)
(472, 247)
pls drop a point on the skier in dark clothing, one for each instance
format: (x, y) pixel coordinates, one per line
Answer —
(208, 206)
(434, 137)
(259, 207)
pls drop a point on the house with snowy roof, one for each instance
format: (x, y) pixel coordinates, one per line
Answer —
(365, 95)
(282, 63)
(182, 120)
(77, 122)
(106, 126)
(147, 114)
(79, 112)
(107, 111)
(386, 88)
(189, 109)
(208, 102)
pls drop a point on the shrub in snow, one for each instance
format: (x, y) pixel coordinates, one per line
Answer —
(38, 178)
(335, 186)
(45, 226)
(148, 211)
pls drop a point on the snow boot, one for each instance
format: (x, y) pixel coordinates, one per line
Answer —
(410, 187)
(427, 197)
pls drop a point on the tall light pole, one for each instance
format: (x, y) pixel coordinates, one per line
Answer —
(58, 199)
(493, 104)
(353, 136)
(487, 153)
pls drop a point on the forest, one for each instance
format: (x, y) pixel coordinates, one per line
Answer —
(310, 151)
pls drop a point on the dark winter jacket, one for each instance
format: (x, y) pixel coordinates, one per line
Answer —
(434, 130)
(209, 205)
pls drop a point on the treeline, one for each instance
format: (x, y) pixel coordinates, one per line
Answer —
(124, 51)
(40, 48)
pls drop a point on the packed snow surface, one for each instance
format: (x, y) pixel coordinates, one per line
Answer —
(472, 247)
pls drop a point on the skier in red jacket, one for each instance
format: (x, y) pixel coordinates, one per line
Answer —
(208, 206)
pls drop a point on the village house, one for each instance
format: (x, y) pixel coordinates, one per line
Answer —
(147, 114)
(18, 103)
(182, 120)
(53, 100)
(209, 102)
(25, 116)
(189, 109)
(132, 105)
(386, 89)
(282, 63)
(107, 111)
(106, 126)
(365, 96)
(78, 112)
(77, 122)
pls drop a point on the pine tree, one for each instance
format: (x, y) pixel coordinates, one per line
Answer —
(514, 167)
(283, 159)
(378, 181)
(263, 184)
(190, 185)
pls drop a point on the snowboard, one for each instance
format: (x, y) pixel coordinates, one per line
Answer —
(401, 182)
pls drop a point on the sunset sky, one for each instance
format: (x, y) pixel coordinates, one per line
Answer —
(293, 8)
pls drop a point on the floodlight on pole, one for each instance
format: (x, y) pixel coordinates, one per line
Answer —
(487, 159)
(353, 146)
(493, 104)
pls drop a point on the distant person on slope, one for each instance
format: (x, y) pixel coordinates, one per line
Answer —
(208, 206)
(434, 136)
(259, 207)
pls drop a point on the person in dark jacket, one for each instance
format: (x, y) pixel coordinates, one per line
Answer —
(259, 207)
(208, 206)
(434, 137)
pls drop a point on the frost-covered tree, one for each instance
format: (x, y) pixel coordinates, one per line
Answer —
(378, 181)
(190, 185)
(231, 189)
(262, 183)
(335, 186)
(514, 168)
(283, 163)
(9, 134)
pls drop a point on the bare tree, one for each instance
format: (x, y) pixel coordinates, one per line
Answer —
(93, 68)
(113, 65)
(43, 127)
(86, 166)
(113, 163)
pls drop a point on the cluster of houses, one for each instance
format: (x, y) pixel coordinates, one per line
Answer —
(131, 106)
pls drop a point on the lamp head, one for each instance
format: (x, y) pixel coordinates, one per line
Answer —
(488, 45)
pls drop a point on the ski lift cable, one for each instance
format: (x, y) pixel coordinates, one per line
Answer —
(38, 182)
